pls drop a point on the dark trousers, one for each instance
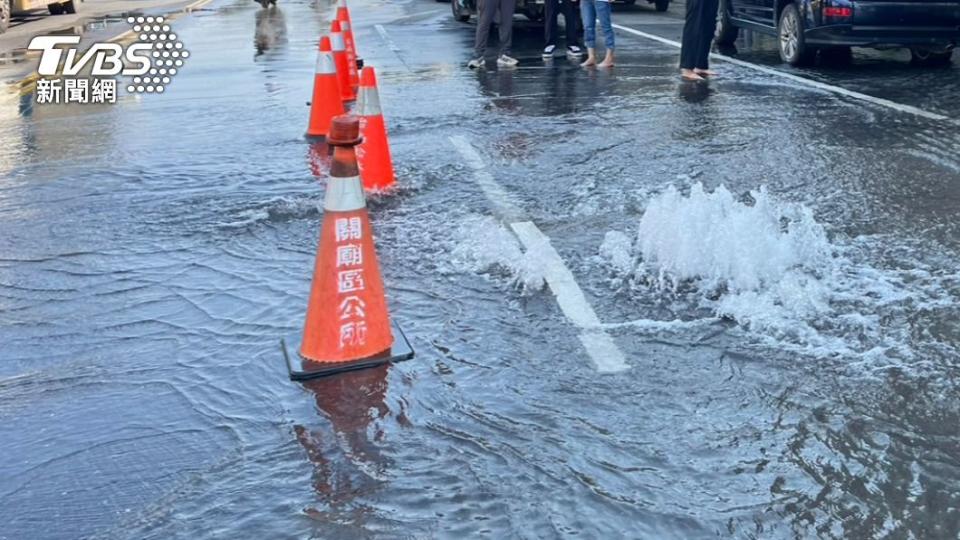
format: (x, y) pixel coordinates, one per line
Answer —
(698, 32)
(571, 21)
(486, 10)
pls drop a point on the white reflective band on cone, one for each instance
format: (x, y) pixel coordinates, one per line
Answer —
(342, 3)
(336, 41)
(344, 26)
(344, 194)
(368, 102)
(325, 65)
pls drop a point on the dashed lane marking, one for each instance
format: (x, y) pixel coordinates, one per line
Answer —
(606, 356)
(386, 38)
(505, 203)
(909, 109)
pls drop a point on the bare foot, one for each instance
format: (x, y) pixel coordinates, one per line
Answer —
(590, 61)
(607, 61)
(690, 75)
(705, 73)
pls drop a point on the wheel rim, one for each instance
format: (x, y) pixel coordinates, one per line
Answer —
(789, 35)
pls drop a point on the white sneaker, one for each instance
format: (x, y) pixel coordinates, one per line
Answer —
(476, 63)
(574, 52)
(548, 51)
(507, 61)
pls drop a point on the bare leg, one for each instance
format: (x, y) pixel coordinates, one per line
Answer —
(591, 58)
(607, 60)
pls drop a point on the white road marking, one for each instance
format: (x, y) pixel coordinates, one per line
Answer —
(386, 38)
(909, 109)
(505, 203)
(573, 303)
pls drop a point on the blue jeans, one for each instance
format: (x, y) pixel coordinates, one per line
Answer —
(590, 11)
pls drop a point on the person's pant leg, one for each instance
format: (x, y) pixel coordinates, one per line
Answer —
(506, 25)
(603, 14)
(578, 26)
(570, 16)
(589, 14)
(485, 10)
(708, 26)
(690, 42)
(551, 10)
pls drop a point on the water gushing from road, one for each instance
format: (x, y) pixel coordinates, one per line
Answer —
(770, 266)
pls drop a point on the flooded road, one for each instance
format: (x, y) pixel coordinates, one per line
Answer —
(776, 264)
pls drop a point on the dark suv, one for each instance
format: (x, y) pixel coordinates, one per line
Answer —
(803, 27)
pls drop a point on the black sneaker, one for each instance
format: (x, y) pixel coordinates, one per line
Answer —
(476, 63)
(574, 51)
(548, 51)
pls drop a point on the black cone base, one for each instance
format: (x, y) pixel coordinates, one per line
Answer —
(302, 369)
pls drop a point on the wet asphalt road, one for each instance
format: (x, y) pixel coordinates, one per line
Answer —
(154, 252)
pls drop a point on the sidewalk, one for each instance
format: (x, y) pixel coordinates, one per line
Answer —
(22, 29)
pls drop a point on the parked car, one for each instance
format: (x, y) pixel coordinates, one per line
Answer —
(22, 7)
(930, 29)
(532, 9)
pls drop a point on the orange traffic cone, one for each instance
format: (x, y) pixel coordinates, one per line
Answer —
(347, 325)
(340, 59)
(326, 102)
(376, 167)
(353, 63)
(343, 14)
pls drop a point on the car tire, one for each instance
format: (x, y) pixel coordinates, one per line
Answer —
(726, 33)
(661, 5)
(70, 7)
(629, 2)
(459, 13)
(791, 39)
(55, 9)
(4, 15)
(930, 58)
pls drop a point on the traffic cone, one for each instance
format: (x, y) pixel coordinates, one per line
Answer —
(376, 167)
(343, 14)
(327, 102)
(340, 59)
(353, 64)
(347, 324)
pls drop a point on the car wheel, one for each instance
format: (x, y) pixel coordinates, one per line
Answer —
(459, 13)
(629, 2)
(70, 7)
(792, 41)
(4, 15)
(726, 32)
(661, 5)
(55, 9)
(930, 58)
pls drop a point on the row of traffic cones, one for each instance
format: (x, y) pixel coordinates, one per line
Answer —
(347, 325)
(336, 84)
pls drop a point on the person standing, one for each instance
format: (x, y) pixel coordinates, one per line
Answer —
(486, 9)
(591, 10)
(571, 24)
(698, 30)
